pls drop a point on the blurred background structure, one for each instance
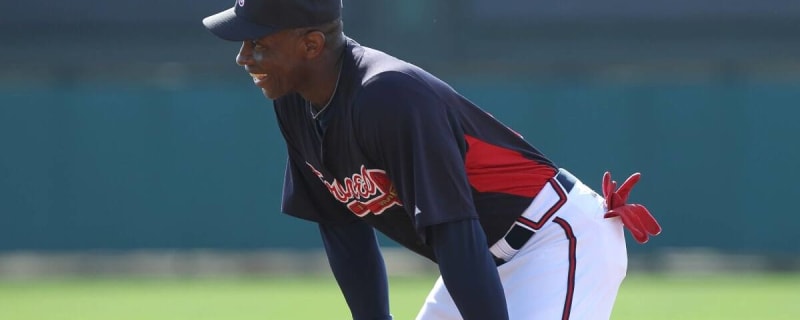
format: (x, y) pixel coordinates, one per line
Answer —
(127, 132)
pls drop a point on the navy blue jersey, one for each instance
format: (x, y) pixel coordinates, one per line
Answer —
(402, 150)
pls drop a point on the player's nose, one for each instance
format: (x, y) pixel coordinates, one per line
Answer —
(245, 56)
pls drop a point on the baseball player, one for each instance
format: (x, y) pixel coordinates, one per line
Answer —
(376, 143)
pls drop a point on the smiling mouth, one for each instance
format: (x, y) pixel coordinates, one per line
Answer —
(258, 76)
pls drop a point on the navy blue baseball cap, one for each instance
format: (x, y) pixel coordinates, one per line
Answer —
(254, 19)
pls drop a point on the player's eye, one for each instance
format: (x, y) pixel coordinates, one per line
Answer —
(257, 45)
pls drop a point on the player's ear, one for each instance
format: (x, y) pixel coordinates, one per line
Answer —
(312, 44)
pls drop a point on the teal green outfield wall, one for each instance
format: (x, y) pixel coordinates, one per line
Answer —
(115, 166)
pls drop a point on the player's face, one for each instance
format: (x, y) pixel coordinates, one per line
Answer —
(275, 62)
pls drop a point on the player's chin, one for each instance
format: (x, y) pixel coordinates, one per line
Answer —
(271, 94)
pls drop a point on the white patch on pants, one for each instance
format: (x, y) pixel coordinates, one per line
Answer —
(536, 279)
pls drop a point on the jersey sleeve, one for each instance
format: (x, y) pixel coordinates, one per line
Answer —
(357, 264)
(404, 127)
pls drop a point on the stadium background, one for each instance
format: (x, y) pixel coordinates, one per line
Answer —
(127, 132)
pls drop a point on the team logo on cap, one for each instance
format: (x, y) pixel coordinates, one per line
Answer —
(241, 3)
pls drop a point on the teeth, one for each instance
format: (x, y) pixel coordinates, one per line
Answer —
(258, 76)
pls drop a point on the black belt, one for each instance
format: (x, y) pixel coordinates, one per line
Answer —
(518, 235)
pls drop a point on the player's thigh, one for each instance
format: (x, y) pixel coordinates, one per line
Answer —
(601, 267)
(573, 269)
(536, 282)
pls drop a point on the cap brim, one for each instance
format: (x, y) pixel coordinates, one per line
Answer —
(227, 25)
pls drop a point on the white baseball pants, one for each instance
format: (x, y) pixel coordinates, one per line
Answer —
(571, 268)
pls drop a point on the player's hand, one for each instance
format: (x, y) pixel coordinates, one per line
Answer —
(635, 217)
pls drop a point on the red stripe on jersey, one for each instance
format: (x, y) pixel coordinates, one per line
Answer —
(496, 169)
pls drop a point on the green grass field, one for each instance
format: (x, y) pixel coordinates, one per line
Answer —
(650, 297)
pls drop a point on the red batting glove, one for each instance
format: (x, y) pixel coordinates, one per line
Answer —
(635, 217)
